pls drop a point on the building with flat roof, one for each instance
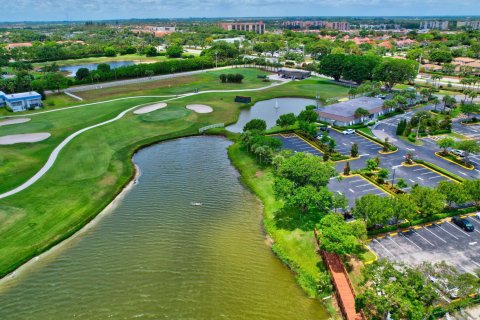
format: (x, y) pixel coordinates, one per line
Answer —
(469, 25)
(295, 74)
(436, 25)
(257, 27)
(343, 113)
(21, 101)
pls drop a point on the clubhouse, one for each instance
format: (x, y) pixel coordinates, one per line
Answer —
(343, 113)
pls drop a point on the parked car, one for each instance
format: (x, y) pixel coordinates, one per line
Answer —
(463, 223)
(458, 153)
(477, 215)
(348, 131)
(323, 128)
(381, 96)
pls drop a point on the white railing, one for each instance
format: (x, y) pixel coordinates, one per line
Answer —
(216, 125)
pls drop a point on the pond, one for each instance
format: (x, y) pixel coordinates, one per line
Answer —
(186, 242)
(270, 110)
(72, 70)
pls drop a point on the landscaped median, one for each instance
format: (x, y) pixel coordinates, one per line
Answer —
(453, 159)
(437, 169)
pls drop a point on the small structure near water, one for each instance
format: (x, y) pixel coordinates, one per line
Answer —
(294, 74)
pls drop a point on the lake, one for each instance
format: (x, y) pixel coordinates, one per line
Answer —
(72, 70)
(160, 255)
(270, 110)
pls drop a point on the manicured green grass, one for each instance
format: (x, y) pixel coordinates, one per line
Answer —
(94, 166)
(366, 130)
(127, 57)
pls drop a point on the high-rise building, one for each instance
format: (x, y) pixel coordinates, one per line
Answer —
(257, 27)
(469, 25)
(342, 26)
(438, 25)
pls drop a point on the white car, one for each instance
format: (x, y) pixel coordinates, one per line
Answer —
(458, 153)
(477, 215)
(348, 131)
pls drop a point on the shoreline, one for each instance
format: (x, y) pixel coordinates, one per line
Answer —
(25, 267)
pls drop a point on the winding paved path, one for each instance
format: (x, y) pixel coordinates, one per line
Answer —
(54, 155)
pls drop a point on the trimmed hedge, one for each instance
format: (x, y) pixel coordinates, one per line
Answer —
(391, 147)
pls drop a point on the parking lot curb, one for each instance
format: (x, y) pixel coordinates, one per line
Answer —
(388, 152)
(467, 168)
(388, 192)
(437, 172)
(469, 124)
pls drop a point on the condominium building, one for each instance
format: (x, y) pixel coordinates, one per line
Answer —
(438, 25)
(257, 27)
(342, 26)
(469, 25)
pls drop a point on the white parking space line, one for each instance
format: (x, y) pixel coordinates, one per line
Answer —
(351, 191)
(462, 173)
(423, 238)
(420, 178)
(412, 181)
(458, 228)
(442, 228)
(403, 249)
(416, 245)
(369, 189)
(436, 177)
(389, 252)
(419, 169)
(435, 234)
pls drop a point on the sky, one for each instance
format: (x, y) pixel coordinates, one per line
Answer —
(49, 10)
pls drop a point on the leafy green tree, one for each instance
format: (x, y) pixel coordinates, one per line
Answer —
(382, 175)
(255, 125)
(339, 202)
(441, 56)
(469, 146)
(402, 125)
(151, 51)
(354, 150)
(453, 192)
(472, 187)
(469, 108)
(337, 236)
(308, 128)
(373, 209)
(393, 71)
(103, 67)
(109, 52)
(305, 198)
(397, 291)
(286, 120)
(445, 143)
(332, 65)
(174, 51)
(309, 116)
(404, 207)
(304, 169)
(223, 78)
(361, 113)
(360, 68)
(371, 164)
(428, 201)
(82, 73)
(55, 81)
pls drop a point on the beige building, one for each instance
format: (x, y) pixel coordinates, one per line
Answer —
(437, 25)
(257, 27)
(469, 25)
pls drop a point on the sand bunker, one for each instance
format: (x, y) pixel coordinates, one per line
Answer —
(24, 138)
(200, 108)
(151, 108)
(14, 121)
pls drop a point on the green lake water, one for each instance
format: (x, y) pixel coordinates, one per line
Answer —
(157, 256)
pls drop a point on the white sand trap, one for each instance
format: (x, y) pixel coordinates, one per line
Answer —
(200, 108)
(151, 108)
(14, 121)
(24, 138)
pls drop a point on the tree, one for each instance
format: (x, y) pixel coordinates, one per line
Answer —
(337, 236)
(360, 68)
(55, 81)
(151, 51)
(339, 202)
(448, 101)
(309, 129)
(472, 188)
(453, 192)
(109, 52)
(371, 164)
(401, 126)
(469, 108)
(382, 175)
(445, 143)
(305, 198)
(393, 71)
(303, 169)
(397, 291)
(332, 65)
(404, 207)
(255, 125)
(361, 113)
(441, 56)
(174, 51)
(428, 201)
(373, 209)
(435, 102)
(286, 120)
(103, 67)
(82, 73)
(223, 78)
(354, 150)
(469, 146)
(309, 116)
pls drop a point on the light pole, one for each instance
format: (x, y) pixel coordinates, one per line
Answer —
(419, 122)
(394, 168)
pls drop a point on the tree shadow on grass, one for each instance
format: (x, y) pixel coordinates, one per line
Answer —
(291, 219)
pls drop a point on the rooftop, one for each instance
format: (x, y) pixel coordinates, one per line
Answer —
(22, 95)
(344, 111)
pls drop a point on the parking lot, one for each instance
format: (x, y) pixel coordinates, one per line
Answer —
(417, 175)
(344, 144)
(354, 187)
(436, 242)
(297, 144)
(471, 132)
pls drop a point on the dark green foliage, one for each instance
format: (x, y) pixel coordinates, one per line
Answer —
(308, 116)
(286, 120)
(174, 51)
(332, 65)
(255, 125)
(82, 73)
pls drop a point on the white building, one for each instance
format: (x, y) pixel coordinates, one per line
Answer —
(436, 25)
(21, 101)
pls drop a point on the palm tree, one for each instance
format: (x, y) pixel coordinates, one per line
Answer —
(435, 102)
(472, 95)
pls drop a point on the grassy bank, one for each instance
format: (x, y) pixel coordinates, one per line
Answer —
(91, 60)
(295, 247)
(94, 167)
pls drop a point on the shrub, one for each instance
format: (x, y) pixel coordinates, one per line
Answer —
(412, 137)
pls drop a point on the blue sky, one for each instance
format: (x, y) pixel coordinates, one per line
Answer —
(23, 10)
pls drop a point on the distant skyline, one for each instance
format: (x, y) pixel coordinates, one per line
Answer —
(76, 10)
